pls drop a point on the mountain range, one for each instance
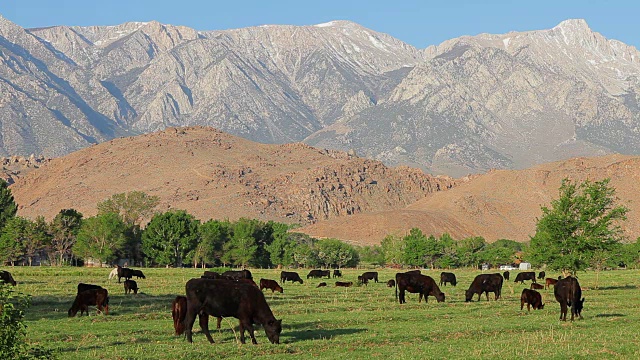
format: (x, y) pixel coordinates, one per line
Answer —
(467, 105)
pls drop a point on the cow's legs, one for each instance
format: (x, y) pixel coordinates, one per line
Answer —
(247, 325)
(401, 297)
(486, 293)
(189, 319)
(563, 311)
(219, 321)
(203, 320)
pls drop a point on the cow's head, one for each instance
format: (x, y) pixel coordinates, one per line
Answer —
(468, 295)
(579, 305)
(279, 289)
(300, 281)
(72, 311)
(440, 297)
(273, 328)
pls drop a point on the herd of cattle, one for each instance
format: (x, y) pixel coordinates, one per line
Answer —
(235, 294)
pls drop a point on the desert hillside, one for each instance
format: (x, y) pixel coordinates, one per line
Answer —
(212, 174)
(499, 204)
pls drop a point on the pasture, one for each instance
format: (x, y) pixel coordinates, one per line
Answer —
(360, 322)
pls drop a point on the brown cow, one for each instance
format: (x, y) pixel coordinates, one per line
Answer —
(6, 277)
(568, 293)
(179, 312)
(97, 297)
(550, 281)
(532, 298)
(222, 298)
(485, 283)
(270, 284)
(130, 285)
(322, 284)
(417, 283)
(344, 283)
(535, 286)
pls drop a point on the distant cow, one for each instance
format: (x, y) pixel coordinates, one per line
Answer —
(535, 286)
(97, 297)
(362, 280)
(505, 275)
(337, 273)
(6, 277)
(84, 287)
(123, 272)
(485, 283)
(137, 273)
(447, 277)
(568, 293)
(235, 275)
(113, 273)
(370, 275)
(319, 274)
(541, 275)
(417, 283)
(322, 284)
(344, 283)
(548, 282)
(221, 298)
(527, 275)
(271, 285)
(532, 298)
(391, 283)
(290, 276)
(211, 275)
(129, 286)
(179, 312)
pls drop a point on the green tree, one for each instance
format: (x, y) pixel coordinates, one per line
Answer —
(8, 207)
(213, 235)
(629, 254)
(14, 236)
(133, 206)
(37, 239)
(393, 249)
(281, 249)
(170, 238)
(335, 253)
(63, 228)
(371, 254)
(101, 237)
(415, 248)
(448, 256)
(469, 250)
(582, 221)
(502, 251)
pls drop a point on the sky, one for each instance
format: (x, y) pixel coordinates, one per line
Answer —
(418, 22)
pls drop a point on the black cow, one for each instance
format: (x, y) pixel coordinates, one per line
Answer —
(417, 283)
(290, 276)
(237, 275)
(319, 274)
(568, 293)
(344, 283)
(137, 273)
(532, 298)
(370, 275)
(84, 287)
(485, 283)
(6, 277)
(129, 286)
(125, 273)
(505, 275)
(223, 298)
(211, 275)
(322, 284)
(362, 280)
(391, 283)
(337, 273)
(527, 275)
(447, 277)
(541, 275)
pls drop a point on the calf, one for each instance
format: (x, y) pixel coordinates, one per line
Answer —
(391, 283)
(270, 284)
(113, 273)
(549, 281)
(322, 284)
(337, 273)
(568, 293)
(535, 286)
(130, 285)
(527, 275)
(505, 275)
(362, 280)
(319, 274)
(541, 275)
(221, 298)
(417, 283)
(485, 283)
(290, 276)
(344, 283)
(179, 312)
(370, 275)
(6, 277)
(531, 298)
(97, 297)
(236, 275)
(447, 277)
(137, 273)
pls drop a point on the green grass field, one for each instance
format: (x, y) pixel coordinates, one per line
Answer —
(336, 323)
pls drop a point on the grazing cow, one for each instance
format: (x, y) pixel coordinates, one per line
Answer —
(322, 284)
(137, 273)
(236, 275)
(290, 276)
(391, 283)
(535, 286)
(84, 287)
(319, 274)
(549, 281)
(505, 275)
(211, 275)
(542, 274)
(97, 297)
(417, 283)
(370, 275)
(447, 277)
(485, 283)
(130, 285)
(125, 273)
(6, 277)
(179, 312)
(113, 273)
(568, 293)
(337, 273)
(527, 275)
(362, 280)
(531, 298)
(344, 283)
(270, 284)
(222, 298)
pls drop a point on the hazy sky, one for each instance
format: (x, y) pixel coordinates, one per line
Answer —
(417, 22)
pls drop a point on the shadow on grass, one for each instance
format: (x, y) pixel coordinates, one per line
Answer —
(97, 347)
(622, 287)
(610, 315)
(294, 336)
